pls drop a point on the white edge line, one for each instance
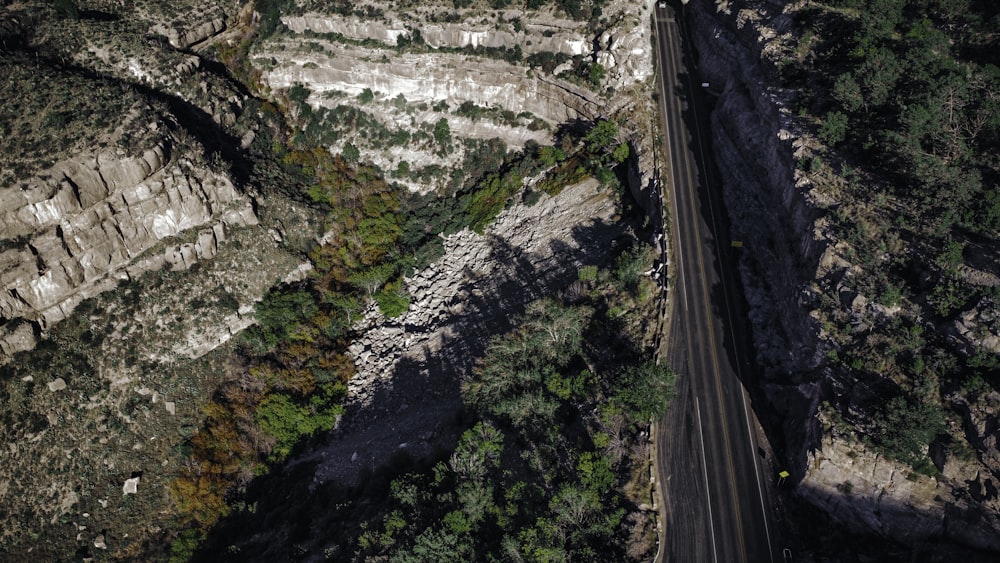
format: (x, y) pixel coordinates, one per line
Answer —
(725, 293)
(704, 470)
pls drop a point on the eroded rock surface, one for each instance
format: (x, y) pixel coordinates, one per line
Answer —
(406, 391)
(414, 88)
(80, 227)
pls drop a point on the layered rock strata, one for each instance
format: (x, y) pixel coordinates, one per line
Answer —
(87, 223)
(339, 58)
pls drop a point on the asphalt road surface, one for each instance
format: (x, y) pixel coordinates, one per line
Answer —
(711, 472)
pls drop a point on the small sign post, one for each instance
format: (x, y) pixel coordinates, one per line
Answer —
(782, 475)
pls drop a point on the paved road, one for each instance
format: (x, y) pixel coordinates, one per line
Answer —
(717, 507)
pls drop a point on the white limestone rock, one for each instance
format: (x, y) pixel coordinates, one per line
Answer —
(131, 486)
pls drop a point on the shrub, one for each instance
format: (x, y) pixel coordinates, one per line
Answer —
(489, 198)
(392, 300)
(442, 133)
(351, 153)
(629, 268)
(280, 312)
(587, 273)
(903, 429)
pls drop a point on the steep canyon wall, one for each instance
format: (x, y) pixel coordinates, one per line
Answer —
(793, 260)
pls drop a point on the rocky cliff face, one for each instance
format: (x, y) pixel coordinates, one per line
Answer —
(398, 74)
(406, 388)
(797, 265)
(77, 229)
(128, 254)
(133, 244)
(757, 143)
(420, 66)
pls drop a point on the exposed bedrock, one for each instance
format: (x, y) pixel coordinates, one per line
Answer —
(405, 395)
(755, 141)
(790, 254)
(79, 228)
(340, 57)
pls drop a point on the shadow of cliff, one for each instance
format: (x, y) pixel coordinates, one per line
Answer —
(823, 525)
(415, 416)
(732, 262)
(729, 303)
(838, 533)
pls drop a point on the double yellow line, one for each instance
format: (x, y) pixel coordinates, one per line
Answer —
(675, 131)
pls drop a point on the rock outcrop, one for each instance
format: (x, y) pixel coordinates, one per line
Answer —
(422, 65)
(409, 368)
(796, 259)
(756, 143)
(193, 25)
(77, 229)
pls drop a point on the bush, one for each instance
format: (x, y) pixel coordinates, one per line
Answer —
(351, 153)
(629, 268)
(280, 312)
(288, 422)
(392, 301)
(442, 133)
(587, 273)
(904, 429)
(489, 198)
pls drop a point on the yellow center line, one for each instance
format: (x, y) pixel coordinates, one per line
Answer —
(692, 209)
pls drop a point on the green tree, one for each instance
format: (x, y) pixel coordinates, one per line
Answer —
(288, 422)
(847, 91)
(550, 156)
(620, 153)
(601, 136)
(644, 390)
(442, 133)
(351, 153)
(878, 75)
(392, 300)
(595, 74)
(281, 311)
(834, 128)
(372, 279)
(298, 93)
(903, 429)
(478, 452)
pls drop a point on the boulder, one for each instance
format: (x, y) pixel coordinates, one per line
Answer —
(131, 486)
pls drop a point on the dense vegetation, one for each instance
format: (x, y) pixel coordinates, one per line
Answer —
(538, 476)
(291, 369)
(908, 92)
(557, 412)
